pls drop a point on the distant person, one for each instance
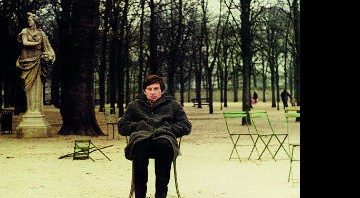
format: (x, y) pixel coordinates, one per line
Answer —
(255, 98)
(154, 121)
(284, 97)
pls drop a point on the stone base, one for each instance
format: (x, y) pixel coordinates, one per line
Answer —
(33, 126)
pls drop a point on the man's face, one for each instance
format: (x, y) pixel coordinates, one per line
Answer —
(153, 92)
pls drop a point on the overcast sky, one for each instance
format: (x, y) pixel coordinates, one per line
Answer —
(214, 5)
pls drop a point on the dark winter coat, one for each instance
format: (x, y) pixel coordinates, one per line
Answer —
(166, 119)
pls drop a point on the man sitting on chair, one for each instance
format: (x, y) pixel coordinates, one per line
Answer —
(154, 121)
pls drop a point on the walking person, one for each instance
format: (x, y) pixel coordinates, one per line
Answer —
(284, 97)
(255, 98)
(154, 121)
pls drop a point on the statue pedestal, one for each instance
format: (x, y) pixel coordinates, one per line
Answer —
(33, 125)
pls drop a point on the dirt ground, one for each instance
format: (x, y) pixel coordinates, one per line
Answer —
(32, 168)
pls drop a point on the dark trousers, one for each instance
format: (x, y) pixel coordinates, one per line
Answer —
(161, 151)
(285, 103)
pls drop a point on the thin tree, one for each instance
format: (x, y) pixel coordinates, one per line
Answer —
(104, 52)
(124, 57)
(296, 12)
(141, 46)
(246, 54)
(153, 43)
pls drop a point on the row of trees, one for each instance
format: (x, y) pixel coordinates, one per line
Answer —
(120, 41)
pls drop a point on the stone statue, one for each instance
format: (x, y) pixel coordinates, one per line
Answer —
(35, 58)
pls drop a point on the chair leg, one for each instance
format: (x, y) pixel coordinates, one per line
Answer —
(113, 130)
(281, 144)
(234, 148)
(176, 181)
(291, 159)
(132, 186)
(254, 147)
(266, 144)
(107, 131)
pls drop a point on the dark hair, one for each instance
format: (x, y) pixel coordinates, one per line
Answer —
(151, 79)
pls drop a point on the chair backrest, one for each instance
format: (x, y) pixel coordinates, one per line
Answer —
(110, 117)
(233, 121)
(258, 114)
(292, 114)
(261, 122)
(295, 125)
(234, 114)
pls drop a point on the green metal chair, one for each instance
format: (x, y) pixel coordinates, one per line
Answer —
(267, 135)
(83, 148)
(233, 121)
(294, 145)
(132, 188)
(293, 158)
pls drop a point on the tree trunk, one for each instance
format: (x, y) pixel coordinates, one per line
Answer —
(246, 54)
(141, 46)
(124, 60)
(154, 67)
(297, 47)
(77, 108)
(104, 51)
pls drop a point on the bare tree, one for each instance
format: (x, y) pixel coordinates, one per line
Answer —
(153, 43)
(296, 12)
(246, 53)
(104, 52)
(124, 42)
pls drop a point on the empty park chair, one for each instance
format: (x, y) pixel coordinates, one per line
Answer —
(267, 135)
(82, 150)
(111, 121)
(239, 135)
(6, 120)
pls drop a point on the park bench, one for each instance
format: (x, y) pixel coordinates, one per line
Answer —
(204, 101)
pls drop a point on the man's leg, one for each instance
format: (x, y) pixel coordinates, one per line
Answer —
(284, 103)
(140, 166)
(163, 158)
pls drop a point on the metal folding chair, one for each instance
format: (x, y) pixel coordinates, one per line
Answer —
(262, 125)
(82, 150)
(111, 121)
(236, 131)
(132, 188)
(6, 120)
